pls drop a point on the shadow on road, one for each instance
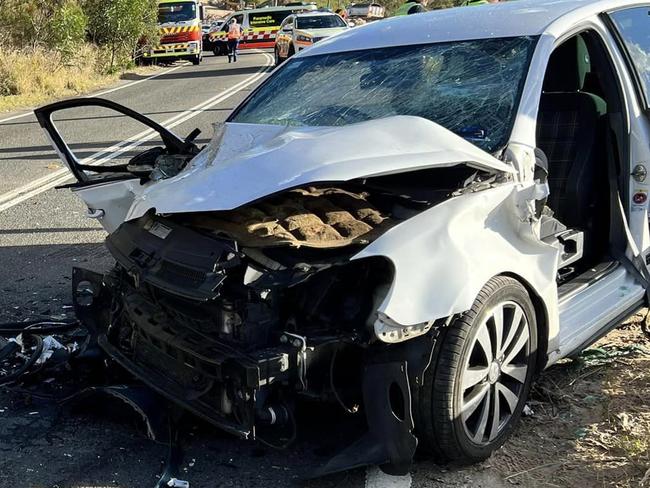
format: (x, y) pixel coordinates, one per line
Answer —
(212, 73)
(80, 150)
(47, 230)
(117, 116)
(35, 280)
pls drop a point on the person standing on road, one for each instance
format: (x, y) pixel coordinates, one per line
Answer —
(234, 34)
(411, 7)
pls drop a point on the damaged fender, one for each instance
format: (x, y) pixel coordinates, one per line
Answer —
(442, 258)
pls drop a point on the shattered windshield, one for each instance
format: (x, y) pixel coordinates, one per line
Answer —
(469, 87)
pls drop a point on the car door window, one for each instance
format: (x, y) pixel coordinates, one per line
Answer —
(287, 23)
(238, 18)
(633, 28)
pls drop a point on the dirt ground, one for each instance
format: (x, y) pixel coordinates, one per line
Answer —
(591, 421)
(589, 427)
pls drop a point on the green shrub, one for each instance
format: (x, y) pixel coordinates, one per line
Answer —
(393, 5)
(118, 26)
(67, 29)
(54, 24)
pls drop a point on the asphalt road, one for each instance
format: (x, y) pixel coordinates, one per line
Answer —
(44, 233)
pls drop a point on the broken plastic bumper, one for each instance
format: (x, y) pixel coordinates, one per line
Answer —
(206, 376)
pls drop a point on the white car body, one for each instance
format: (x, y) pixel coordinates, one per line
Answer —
(443, 256)
(292, 38)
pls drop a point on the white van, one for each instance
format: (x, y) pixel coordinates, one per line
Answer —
(259, 27)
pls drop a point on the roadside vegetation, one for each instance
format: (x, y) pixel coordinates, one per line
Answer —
(54, 48)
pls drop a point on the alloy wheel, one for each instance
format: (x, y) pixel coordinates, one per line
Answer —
(495, 372)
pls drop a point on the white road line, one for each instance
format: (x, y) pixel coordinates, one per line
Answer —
(376, 478)
(137, 139)
(105, 92)
(25, 192)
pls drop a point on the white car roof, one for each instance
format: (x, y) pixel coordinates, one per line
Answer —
(504, 19)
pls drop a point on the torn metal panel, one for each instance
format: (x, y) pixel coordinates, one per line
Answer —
(437, 254)
(304, 155)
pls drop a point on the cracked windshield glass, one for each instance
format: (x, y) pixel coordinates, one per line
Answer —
(471, 88)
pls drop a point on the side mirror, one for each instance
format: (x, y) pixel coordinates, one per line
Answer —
(202, 12)
(287, 28)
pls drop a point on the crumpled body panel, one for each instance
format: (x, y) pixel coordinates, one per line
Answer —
(248, 162)
(444, 256)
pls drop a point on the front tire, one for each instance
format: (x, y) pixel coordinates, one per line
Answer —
(196, 60)
(476, 389)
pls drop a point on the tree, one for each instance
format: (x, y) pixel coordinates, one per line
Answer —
(67, 28)
(120, 25)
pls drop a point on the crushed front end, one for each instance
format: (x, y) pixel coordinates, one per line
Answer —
(236, 315)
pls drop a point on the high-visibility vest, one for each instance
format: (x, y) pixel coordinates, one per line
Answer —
(234, 32)
(470, 3)
(405, 7)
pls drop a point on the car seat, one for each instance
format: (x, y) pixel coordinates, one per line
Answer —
(571, 132)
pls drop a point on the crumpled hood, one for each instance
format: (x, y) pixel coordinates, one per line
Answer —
(245, 162)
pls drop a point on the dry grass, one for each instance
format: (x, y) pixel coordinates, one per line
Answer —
(32, 77)
(591, 426)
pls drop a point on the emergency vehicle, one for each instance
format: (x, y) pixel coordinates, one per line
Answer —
(300, 31)
(259, 26)
(179, 23)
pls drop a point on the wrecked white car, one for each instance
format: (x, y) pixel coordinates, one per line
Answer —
(413, 217)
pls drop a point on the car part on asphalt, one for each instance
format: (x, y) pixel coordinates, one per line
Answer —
(24, 356)
(30, 345)
(162, 421)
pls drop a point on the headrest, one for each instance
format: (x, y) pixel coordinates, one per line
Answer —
(568, 66)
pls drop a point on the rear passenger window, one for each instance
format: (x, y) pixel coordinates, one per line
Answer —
(633, 26)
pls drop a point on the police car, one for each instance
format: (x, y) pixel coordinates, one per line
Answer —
(300, 31)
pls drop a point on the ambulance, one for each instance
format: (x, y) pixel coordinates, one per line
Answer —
(179, 23)
(259, 27)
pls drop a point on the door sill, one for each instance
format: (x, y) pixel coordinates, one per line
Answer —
(571, 288)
